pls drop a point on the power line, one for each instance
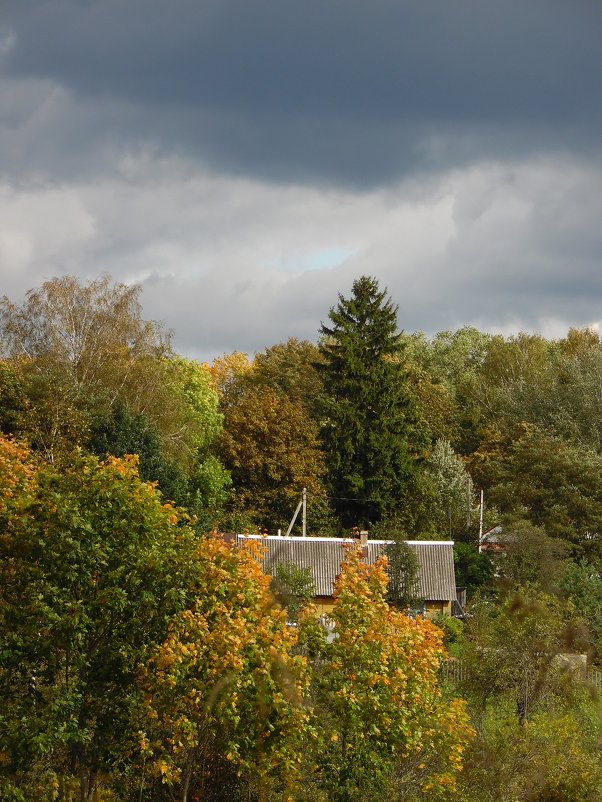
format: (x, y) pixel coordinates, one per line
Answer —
(345, 498)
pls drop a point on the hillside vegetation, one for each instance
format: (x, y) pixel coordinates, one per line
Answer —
(142, 658)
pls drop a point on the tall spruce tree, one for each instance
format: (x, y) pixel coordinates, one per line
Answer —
(368, 422)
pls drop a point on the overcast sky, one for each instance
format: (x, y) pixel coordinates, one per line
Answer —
(245, 160)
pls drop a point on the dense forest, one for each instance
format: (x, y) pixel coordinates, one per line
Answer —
(142, 658)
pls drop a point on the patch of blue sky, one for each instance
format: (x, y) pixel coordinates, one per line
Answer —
(316, 260)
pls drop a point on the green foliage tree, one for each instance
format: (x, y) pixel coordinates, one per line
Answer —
(445, 372)
(13, 402)
(553, 384)
(511, 645)
(368, 425)
(450, 357)
(92, 565)
(189, 422)
(189, 474)
(511, 366)
(577, 394)
(553, 483)
(437, 498)
(453, 488)
(581, 583)
(530, 556)
(294, 588)
(415, 517)
(473, 568)
(192, 420)
(290, 369)
(127, 432)
(453, 633)
(76, 349)
(402, 569)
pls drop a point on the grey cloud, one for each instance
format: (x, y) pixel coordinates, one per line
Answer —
(351, 58)
(502, 247)
(525, 250)
(492, 261)
(348, 92)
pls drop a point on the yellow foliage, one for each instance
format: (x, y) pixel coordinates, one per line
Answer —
(17, 473)
(383, 673)
(227, 667)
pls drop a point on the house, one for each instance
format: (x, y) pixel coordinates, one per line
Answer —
(492, 541)
(436, 583)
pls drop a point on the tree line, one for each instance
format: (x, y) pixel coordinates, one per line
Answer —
(141, 658)
(387, 430)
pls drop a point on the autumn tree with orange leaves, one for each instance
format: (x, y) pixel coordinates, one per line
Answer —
(224, 691)
(271, 446)
(385, 728)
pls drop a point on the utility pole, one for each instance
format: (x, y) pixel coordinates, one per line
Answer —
(468, 502)
(301, 505)
(481, 522)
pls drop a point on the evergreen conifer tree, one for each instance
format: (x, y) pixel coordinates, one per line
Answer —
(368, 422)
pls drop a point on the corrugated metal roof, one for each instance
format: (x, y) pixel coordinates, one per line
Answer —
(323, 556)
(436, 577)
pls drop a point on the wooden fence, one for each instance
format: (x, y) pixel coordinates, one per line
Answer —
(456, 670)
(594, 677)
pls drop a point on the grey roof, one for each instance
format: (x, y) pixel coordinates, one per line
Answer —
(436, 576)
(323, 556)
(493, 535)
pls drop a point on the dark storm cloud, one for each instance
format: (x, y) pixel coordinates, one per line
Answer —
(354, 92)
(246, 160)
